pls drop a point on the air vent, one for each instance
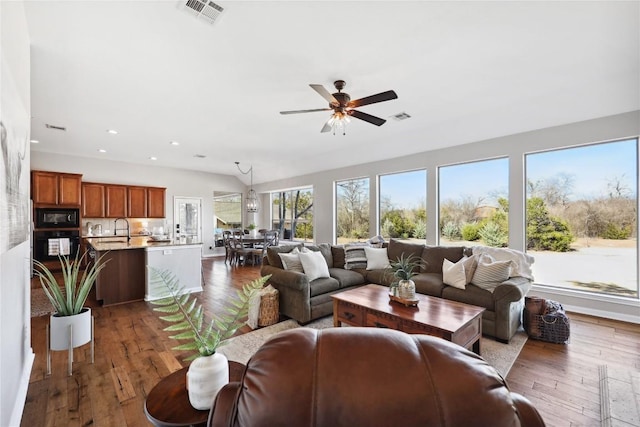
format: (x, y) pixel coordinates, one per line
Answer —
(401, 116)
(204, 9)
(200, 156)
(48, 126)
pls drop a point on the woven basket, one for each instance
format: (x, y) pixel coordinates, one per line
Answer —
(554, 328)
(269, 309)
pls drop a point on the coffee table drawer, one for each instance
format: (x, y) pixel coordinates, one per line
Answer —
(377, 320)
(350, 314)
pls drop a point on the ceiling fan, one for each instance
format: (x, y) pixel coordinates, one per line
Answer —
(342, 106)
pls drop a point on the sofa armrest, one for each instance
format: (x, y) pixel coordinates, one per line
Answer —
(512, 290)
(290, 279)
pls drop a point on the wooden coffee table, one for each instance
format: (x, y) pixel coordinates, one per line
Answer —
(369, 305)
(167, 404)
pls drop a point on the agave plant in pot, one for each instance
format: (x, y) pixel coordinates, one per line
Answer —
(209, 370)
(403, 269)
(71, 325)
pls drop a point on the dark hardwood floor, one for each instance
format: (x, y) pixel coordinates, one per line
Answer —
(132, 354)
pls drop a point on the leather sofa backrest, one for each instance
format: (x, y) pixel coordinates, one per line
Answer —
(368, 377)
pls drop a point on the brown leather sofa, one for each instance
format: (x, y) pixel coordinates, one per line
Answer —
(368, 377)
(305, 300)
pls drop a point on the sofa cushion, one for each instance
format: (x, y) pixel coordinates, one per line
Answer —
(355, 256)
(325, 249)
(338, 256)
(379, 277)
(346, 278)
(429, 284)
(314, 265)
(398, 247)
(470, 295)
(273, 251)
(323, 285)
(433, 256)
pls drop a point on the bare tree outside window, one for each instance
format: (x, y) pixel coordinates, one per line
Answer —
(352, 210)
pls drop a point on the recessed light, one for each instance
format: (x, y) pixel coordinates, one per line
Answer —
(101, 150)
(35, 141)
(199, 156)
(153, 158)
(112, 132)
(174, 143)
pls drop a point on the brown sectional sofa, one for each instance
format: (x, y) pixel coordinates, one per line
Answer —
(304, 301)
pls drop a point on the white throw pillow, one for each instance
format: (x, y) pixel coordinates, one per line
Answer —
(454, 274)
(489, 272)
(314, 265)
(291, 260)
(377, 258)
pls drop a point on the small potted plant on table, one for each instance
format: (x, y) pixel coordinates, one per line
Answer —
(403, 289)
(209, 370)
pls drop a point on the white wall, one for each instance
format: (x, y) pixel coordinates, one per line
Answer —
(16, 355)
(514, 147)
(179, 183)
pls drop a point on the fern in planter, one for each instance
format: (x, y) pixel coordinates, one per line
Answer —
(187, 315)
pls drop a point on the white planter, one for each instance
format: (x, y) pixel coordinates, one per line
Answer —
(253, 233)
(206, 376)
(59, 330)
(407, 289)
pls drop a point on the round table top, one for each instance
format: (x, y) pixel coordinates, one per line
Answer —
(167, 405)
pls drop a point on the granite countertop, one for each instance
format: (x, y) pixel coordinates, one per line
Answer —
(116, 243)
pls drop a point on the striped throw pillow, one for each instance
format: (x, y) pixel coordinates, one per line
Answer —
(355, 256)
(490, 272)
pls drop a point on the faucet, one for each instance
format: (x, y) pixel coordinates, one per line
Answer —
(115, 227)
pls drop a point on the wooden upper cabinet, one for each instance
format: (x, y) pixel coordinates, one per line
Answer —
(137, 202)
(115, 201)
(155, 202)
(53, 188)
(93, 200)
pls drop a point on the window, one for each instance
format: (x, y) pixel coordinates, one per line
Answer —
(403, 206)
(474, 203)
(582, 217)
(293, 210)
(352, 210)
(227, 213)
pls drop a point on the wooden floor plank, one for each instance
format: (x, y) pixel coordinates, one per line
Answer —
(561, 380)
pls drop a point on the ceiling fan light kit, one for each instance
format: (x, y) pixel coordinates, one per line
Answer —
(343, 107)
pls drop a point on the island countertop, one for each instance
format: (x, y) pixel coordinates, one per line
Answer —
(116, 243)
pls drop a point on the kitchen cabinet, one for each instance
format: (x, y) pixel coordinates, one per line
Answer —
(155, 202)
(93, 200)
(115, 201)
(137, 202)
(56, 189)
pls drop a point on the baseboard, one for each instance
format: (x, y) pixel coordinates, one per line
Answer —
(21, 393)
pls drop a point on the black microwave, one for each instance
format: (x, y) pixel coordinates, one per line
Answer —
(57, 218)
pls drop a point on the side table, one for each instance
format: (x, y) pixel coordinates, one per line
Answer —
(167, 404)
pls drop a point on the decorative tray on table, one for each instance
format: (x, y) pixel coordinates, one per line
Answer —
(404, 301)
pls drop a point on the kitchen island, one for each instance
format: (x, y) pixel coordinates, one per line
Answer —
(126, 276)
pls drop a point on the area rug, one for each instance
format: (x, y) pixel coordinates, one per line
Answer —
(619, 396)
(241, 348)
(40, 305)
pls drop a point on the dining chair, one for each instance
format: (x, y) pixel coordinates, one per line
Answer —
(228, 249)
(240, 250)
(270, 238)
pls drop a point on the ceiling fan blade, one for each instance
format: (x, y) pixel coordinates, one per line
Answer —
(378, 97)
(327, 127)
(366, 117)
(325, 94)
(305, 111)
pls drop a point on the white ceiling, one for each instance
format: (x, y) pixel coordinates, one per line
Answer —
(464, 71)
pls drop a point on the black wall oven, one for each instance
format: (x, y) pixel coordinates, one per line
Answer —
(57, 218)
(47, 245)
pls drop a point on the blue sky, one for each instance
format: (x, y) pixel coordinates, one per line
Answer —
(591, 168)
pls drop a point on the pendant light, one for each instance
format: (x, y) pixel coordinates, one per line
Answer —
(251, 200)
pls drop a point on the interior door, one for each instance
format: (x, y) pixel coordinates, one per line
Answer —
(187, 214)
